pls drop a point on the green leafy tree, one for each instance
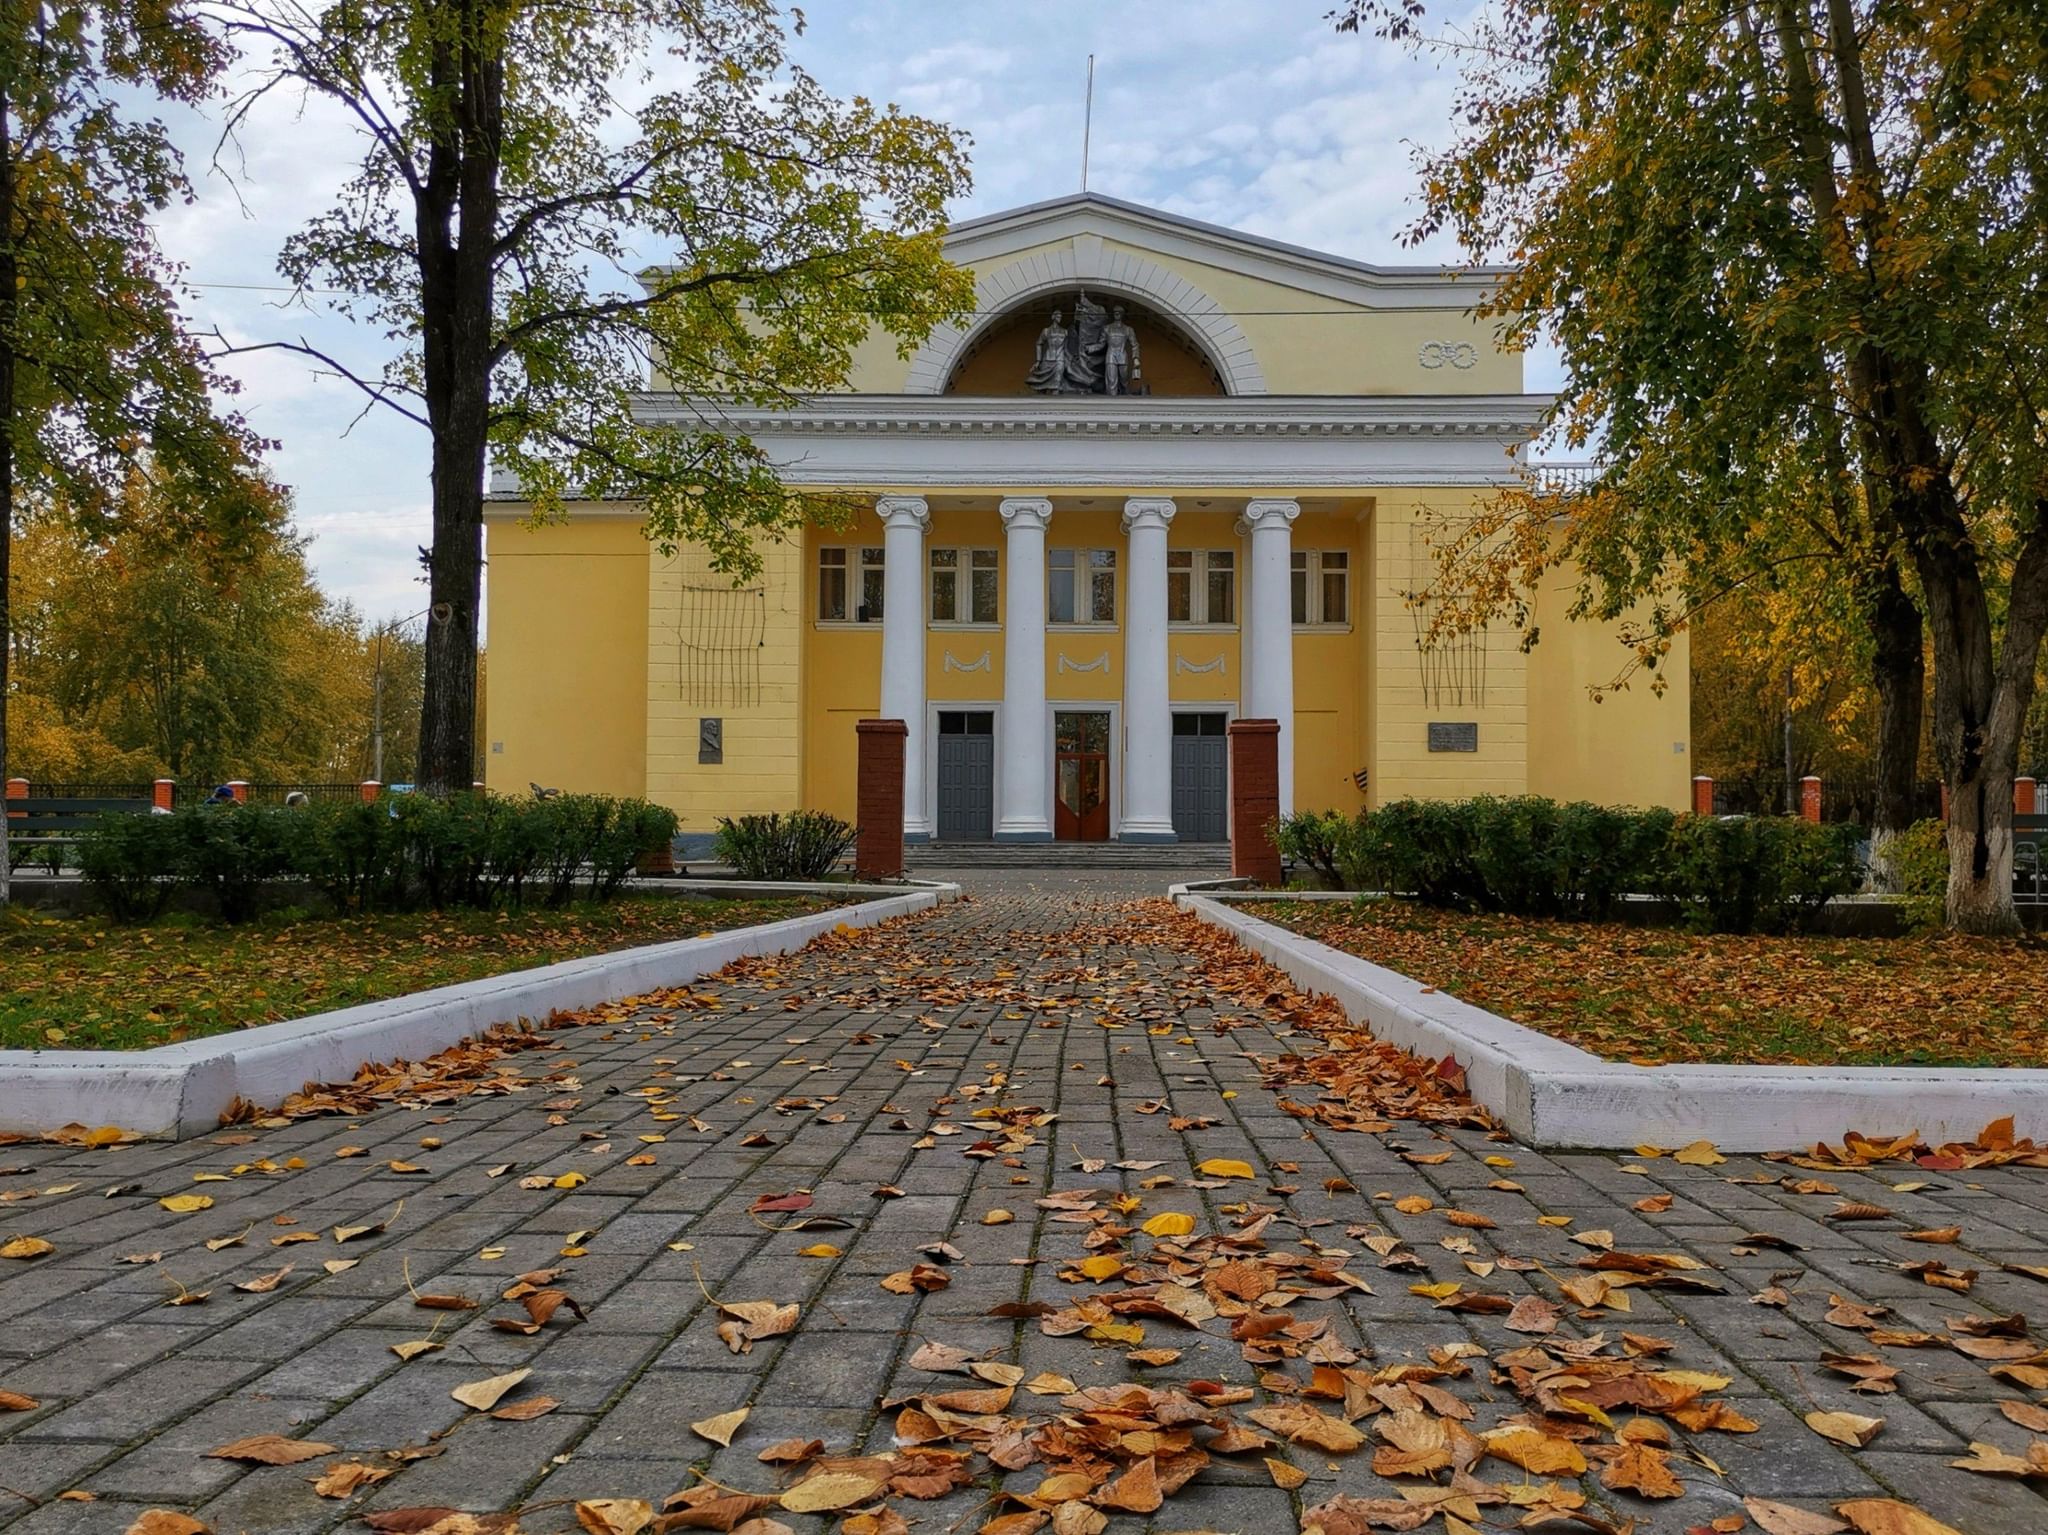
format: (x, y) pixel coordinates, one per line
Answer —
(541, 249)
(1793, 250)
(97, 379)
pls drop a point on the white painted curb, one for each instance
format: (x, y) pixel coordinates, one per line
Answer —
(1550, 1093)
(180, 1090)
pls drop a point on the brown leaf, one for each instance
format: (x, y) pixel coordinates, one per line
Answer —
(720, 1428)
(1783, 1519)
(790, 1451)
(1847, 1428)
(523, 1412)
(1303, 1424)
(167, 1521)
(614, 1516)
(346, 1478)
(1884, 1516)
(483, 1395)
(1534, 1451)
(1136, 1491)
(1284, 1476)
(14, 1401)
(271, 1450)
(1642, 1468)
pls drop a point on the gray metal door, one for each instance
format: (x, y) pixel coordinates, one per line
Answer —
(967, 775)
(1201, 779)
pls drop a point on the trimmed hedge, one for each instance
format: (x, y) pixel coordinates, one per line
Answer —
(805, 844)
(1534, 857)
(397, 853)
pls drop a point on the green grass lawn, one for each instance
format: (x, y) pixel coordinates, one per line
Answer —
(87, 984)
(1651, 995)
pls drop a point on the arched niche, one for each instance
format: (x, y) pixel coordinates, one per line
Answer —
(996, 359)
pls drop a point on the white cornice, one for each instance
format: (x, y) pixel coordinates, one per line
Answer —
(977, 241)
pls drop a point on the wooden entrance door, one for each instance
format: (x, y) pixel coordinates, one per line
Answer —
(1080, 810)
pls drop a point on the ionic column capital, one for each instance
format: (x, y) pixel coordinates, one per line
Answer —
(1148, 512)
(1028, 513)
(1270, 514)
(904, 512)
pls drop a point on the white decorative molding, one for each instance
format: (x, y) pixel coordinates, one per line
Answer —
(1459, 354)
(1183, 664)
(948, 663)
(1099, 664)
(1000, 289)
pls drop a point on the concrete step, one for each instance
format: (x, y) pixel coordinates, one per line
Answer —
(1203, 857)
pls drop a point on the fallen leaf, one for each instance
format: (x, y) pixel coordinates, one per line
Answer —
(167, 1521)
(1885, 1516)
(522, 1412)
(14, 1401)
(614, 1516)
(721, 1428)
(177, 1204)
(271, 1450)
(1284, 1476)
(1699, 1154)
(1642, 1468)
(1847, 1428)
(828, 1490)
(263, 1284)
(483, 1395)
(1783, 1519)
(1169, 1223)
(1225, 1167)
(346, 1478)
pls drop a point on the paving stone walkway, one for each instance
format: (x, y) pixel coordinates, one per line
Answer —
(827, 1073)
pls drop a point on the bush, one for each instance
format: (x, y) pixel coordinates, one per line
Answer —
(1748, 874)
(1920, 856)
(804, 844)
(1314, 839)
(399, 853)
(130, 862)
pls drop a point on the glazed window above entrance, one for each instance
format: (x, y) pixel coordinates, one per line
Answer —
(850, 585)
(1080, 586)
(1321, 586)
(964, 586)
(1201, 586)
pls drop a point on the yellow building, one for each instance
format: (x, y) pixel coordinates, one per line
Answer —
(1200, 491)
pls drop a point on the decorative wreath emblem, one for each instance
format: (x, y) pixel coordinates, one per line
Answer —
(1459, 354)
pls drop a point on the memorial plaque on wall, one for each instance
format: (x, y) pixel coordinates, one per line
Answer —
(1454, 735)
(711, 740)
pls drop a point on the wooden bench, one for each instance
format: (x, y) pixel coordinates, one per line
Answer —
(42, 830)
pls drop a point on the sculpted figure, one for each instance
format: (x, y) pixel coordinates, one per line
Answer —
(1084, 355)
(1120, 362)
(1049, 366)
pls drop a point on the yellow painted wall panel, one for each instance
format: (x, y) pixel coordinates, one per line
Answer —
(567, 637)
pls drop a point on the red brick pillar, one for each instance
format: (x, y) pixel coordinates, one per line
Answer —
(1809, 799)
(1703, 795)
(1254, 799)
(368, 790)
(879, 794)
(17, 788)
(2025, 797)
(164, 793)
(239, 790)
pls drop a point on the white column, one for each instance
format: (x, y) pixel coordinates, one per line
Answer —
(904, 520)
(1269, 628)
(1148, 721)
(1025, 812)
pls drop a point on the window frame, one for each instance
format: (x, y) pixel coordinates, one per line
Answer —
(853, 567)
(1313, 572)
(1198, 571)
(963, 570)
(1082, 564)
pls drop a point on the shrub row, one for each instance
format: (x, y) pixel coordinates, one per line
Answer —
(397, 853)
(1530, 856)
(805, 844)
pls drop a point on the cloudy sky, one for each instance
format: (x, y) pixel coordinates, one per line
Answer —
(1248, 113)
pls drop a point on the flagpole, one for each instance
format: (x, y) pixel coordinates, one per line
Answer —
(1087, 122)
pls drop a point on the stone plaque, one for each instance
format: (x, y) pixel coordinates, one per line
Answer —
(1454, 735)
(711, 740)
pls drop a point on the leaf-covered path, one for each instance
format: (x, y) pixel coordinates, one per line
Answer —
(994, 1158)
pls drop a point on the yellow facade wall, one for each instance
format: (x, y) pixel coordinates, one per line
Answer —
(566, 690)
(1629, 746)
(734, 654)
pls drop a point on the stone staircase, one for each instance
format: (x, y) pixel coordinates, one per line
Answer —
(1196, 859)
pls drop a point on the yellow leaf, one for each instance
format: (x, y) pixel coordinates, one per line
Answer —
(1699, 1154)
(1102, 1266)
(997, 1218)
(720, 1429)
(614, 1516)
(185, 1204)
(830, 1490)
(1224, 1167)
(572, 1180)
(820, 1250)
(27, 1247)
(1852, 1429)
(1169, 1223)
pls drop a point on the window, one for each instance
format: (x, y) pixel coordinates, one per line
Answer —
(1201, 586)
(963, 586)
(850, 575)
(1080, 586)
(1321, 586)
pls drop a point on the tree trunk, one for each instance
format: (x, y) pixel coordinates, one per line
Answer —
(9, 309)
(458, 198)
(1899, 674)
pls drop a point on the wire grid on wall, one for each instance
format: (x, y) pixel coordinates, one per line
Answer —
(720, 631)
(1452, 666)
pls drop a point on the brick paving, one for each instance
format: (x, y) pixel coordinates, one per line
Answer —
(132, 1391)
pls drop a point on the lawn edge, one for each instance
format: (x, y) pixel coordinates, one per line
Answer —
(180, 1090)
(1553, 1094)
